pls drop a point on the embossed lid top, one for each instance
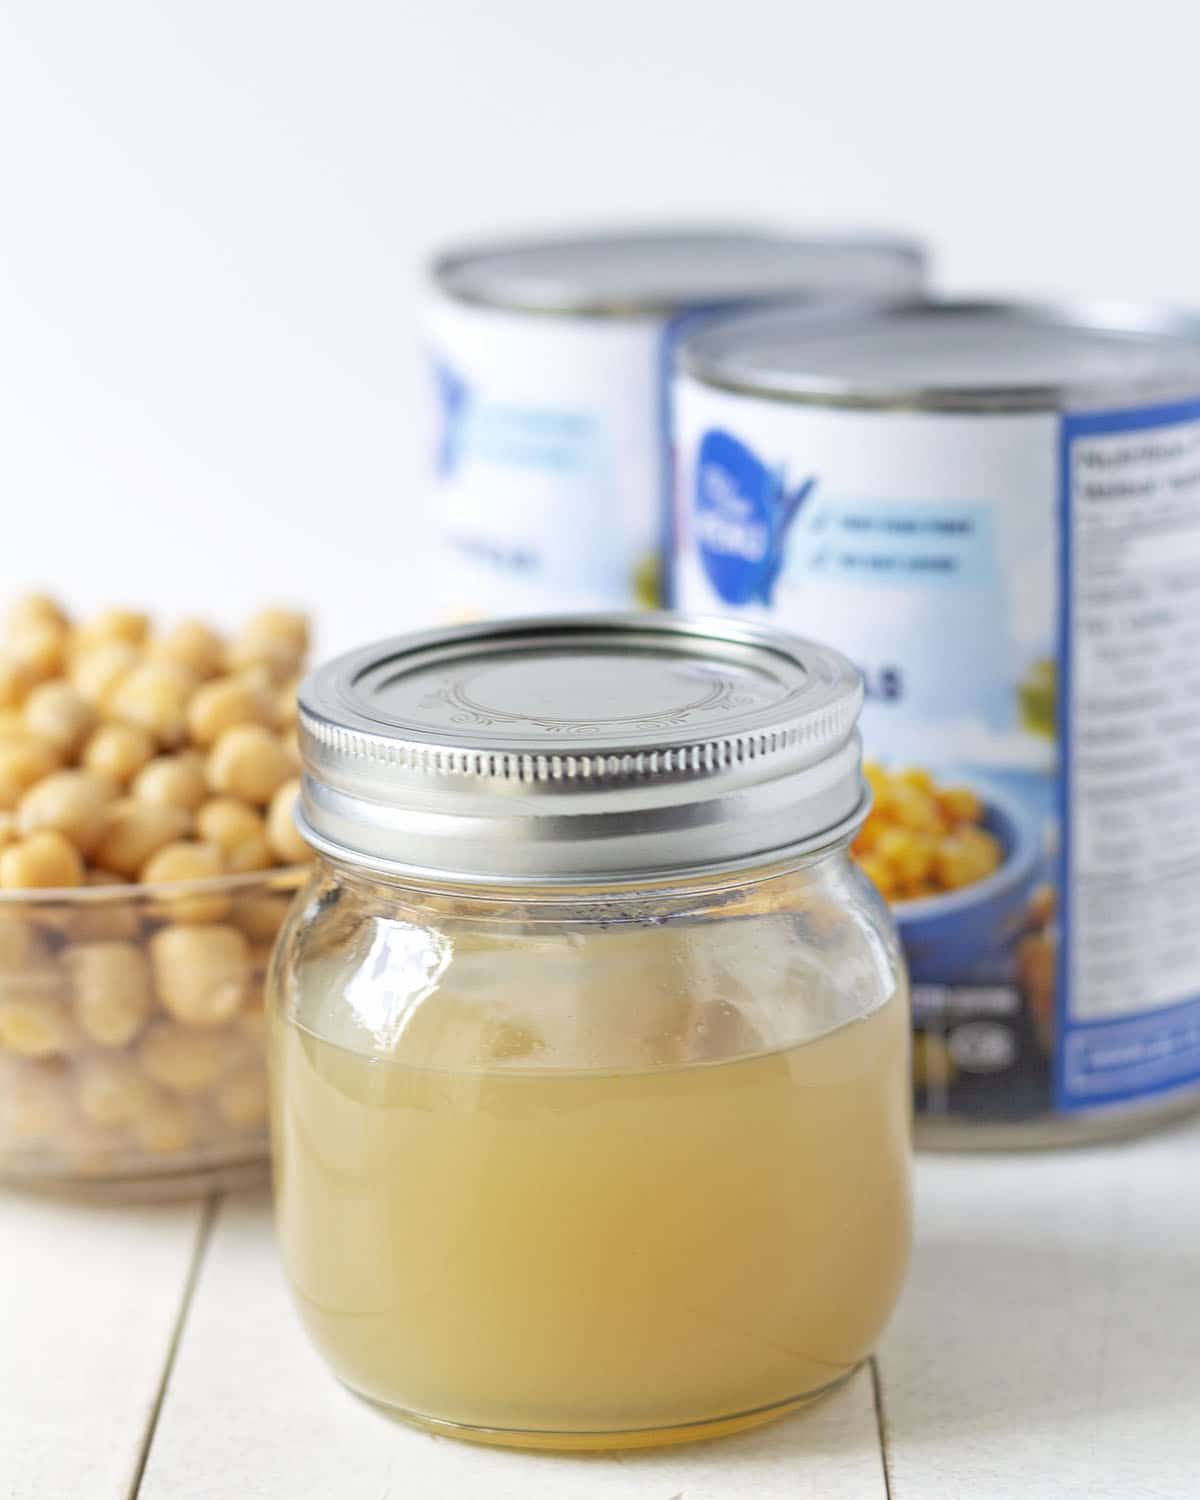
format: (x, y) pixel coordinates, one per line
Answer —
(580, 748)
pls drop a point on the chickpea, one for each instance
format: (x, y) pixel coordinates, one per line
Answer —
(118, 751)
(35, 609)
(960, 804)
(956, 865)
(112, 1091)
(23, 763)
(115, 919)
(241, 1099)
(154, 696)
(258, 675)
(21, 945)
(90, 1149)
(252, 1027)
(15, 682)
(173, 781)
(182, 1059)
(261, 954)
(282, 833)
(225, 703)
(12, 726)
(200, 972)
(289, 625)
(260, 916)
(97, 673)
(248, 761)
(110, 989)
(133, 831)
(193, 645)
(909, 855)
(238, 831)
(285, 704)
(43, 861)
(913, 807)
(40, 647)
(36, 1103)
(58, 715)
(186, 860)
(128, 626)
(164, 1126)
(980, 849)
(34, 1022)
(274, 638)
(71, 802)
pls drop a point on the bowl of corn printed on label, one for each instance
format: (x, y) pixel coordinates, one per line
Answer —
(956, 860)
(147, 859)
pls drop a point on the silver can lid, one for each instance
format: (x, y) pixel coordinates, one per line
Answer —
(580, 749)
(953, 356)
(663, 271)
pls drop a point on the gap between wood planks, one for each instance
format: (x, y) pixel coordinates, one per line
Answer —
(199, 1250)
(881, 1425)
(204, 1231)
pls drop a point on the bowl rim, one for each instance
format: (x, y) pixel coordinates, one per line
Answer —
(159, 890)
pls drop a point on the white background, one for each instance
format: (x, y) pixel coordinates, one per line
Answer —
(213, 212)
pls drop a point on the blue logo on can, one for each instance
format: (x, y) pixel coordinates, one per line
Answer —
(743, 512)
(453, 400)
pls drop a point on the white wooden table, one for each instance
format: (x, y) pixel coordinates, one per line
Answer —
(1048, 1344)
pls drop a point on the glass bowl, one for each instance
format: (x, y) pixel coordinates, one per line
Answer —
(131, 1034)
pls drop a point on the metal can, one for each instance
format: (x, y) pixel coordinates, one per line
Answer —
(995, 511)
(549, 359)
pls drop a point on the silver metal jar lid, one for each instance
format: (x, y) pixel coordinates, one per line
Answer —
(662, 271)
(580, 749)
(953, 356)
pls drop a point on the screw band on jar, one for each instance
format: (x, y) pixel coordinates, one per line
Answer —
(690, 745)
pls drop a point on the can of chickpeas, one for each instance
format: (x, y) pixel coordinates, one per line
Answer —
(995, 510)
(549, 358)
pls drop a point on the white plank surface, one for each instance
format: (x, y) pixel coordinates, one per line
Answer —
(89, 1299)
(1048, 1343)
(252, 1412)
(1047, 1346)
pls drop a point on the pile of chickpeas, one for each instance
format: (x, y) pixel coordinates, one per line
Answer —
(133, 762)
(922, 839)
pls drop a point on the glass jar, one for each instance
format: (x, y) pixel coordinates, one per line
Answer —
(590, 1084)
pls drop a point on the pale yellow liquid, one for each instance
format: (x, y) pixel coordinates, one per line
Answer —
(574, 1259)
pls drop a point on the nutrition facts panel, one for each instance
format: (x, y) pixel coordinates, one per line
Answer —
(1131, 729)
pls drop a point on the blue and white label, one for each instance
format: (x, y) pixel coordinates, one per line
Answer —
(547, 461)
(1022, 594)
